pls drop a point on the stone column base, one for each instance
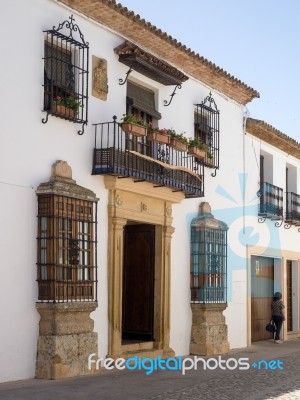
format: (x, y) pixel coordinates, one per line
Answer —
(66, 339)
(209, 331)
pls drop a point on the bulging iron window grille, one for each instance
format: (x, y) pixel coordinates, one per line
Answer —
(66, 259)
(208, 258)
(66, 68)
(206, 122)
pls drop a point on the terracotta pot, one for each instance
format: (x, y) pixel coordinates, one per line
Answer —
(65, 111)
(194, 151)
(178, 145)
(209, 161)
(158, 137)
(134, 129)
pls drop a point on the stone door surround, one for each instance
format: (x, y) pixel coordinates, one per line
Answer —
(139, 202)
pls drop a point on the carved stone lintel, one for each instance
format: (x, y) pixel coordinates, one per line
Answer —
(119, 199)
(144, 207)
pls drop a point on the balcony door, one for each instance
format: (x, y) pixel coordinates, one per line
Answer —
(138, 282)
(289, 296)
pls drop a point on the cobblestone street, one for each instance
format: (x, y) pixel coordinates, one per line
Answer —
(251, 384)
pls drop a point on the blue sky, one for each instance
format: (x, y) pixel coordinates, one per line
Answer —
(256, 41)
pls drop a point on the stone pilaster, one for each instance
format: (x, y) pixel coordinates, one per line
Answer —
(166, 298)
(209, 330)
(115, 279)
(66, 339)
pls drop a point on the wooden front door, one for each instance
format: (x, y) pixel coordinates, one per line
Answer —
(262, 290)
(138, 282)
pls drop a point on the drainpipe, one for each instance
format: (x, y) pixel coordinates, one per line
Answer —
(246, 115)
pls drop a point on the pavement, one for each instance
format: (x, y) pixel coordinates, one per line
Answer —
(273, 372)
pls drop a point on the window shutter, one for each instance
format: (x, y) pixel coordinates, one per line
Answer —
(142, 99)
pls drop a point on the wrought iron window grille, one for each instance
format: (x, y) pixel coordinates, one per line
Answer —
(207, 130)
(66, 69)
(66, 249)
(208, 258)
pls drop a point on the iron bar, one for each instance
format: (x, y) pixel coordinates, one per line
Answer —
(271, 201)
(66, 68)
(166, 103)
(124, 154)
(123, 81)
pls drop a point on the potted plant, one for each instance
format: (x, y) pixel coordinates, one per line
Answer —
(133, 125)
(209, 157)
(158, 135)
(197, 148)
(178, 140)
(67, 106)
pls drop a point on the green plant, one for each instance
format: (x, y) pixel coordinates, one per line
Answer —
(164, 132)
(69, 102)
(195, 142)
(131, 118)
(178, 136)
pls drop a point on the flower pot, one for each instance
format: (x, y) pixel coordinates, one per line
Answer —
(158, 137)
(210, 161)
(134, 129)
(178, 145)
(194, 151)
(65, 111)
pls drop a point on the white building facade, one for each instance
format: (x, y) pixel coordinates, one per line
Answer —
(113, 217)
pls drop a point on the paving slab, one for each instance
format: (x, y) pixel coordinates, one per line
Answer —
(255, 383)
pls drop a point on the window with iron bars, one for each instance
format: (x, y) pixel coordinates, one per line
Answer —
(66, 68)
(206, 125)
(66, 259)
(208, 265)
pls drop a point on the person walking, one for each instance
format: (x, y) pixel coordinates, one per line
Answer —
(278, 314)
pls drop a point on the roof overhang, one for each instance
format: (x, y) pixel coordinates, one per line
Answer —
(149, 65)
(274, 137)
(132, 27)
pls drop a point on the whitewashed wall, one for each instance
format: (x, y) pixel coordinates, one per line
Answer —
(29, 148)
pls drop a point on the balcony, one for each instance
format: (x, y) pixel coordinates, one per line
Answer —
(271, 201)
(292, 216)
(125, 155)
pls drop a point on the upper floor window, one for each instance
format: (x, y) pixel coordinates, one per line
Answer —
(66, 65)
(140, 102)
(206, 123)
(271, 196)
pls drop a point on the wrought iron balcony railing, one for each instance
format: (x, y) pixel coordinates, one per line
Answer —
(271, 201)
(292, 208)
(126, 155)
